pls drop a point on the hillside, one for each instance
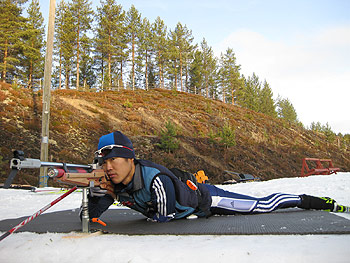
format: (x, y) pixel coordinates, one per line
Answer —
(265, 147)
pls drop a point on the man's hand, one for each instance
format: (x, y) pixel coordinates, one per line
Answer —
(160, 218)
(96, 190)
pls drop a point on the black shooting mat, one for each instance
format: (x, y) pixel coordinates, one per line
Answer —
(129, 222)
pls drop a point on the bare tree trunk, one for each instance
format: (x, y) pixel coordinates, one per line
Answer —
(133, 63)
(181, 71)
(121, 75)
(3, 75)
(30, 77)
(109, 63)
(60, 73)
(146, 71)
(232, 94)
(78, 54)
(67, 80)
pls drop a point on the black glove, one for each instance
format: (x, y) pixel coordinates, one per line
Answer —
(96, 190)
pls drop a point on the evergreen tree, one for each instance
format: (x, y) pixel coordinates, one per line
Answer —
(195, 72)
(159, 31)
(317, 127)
(145, 52)
(230, 79)
(286, 110)
(168, 141)
(82, 19)
(33, 59)
(181, 41)
(172, 64)
(267, 104)
(58, 43)
(209, 70)
(87, 70)
(64, 43)
(249, 97)
(188, 58)
(151, 76)
(109, 42)
(133, 24)
(12, 27)
(227, 135)
(156, 57)
(257, 98)
(325, 129)
(330, 135)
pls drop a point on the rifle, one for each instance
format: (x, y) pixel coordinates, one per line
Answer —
(77, 175)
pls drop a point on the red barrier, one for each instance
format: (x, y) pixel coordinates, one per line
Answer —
(319, 169)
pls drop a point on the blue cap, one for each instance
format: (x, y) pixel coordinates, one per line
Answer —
(122, 145)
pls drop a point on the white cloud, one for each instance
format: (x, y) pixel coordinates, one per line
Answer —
(312, 70)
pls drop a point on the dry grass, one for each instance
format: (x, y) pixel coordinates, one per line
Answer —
(266, 147)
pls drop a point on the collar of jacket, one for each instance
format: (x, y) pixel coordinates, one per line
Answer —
(136, 183)
(137, 179)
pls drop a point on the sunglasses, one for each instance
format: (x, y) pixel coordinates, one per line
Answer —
(105, 150)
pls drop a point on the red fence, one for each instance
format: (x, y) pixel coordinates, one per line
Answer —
(317, 167)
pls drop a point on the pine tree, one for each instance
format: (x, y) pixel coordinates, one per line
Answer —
(330, 135)
(58, 42)
(249, 96)
(133, 24)
(195, 72)
(172, 64)
(12, 27)
(230, 79)
(227, 135)
(82, 18)
(33, 59)
(145, 51)
(168, 141)
(87, 70)
(64, 43)
(317, 127)
(181, 45)
(188, 58)
(110, 42)
(267, 104)
(257, 98)
(286, 110)
(209, 70)
(159, 31)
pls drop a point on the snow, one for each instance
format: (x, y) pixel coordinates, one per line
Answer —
(56, 247)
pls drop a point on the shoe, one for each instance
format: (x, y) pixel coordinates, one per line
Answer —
(317, 203)
(342, 209)
(322, 203)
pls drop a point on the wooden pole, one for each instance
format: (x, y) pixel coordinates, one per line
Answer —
(47, 94)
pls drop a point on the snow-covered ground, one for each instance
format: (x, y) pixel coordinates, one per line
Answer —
(55, 247)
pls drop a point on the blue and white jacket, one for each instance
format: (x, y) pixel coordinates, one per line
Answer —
(156, 193)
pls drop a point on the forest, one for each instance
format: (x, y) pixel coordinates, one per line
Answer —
(113, 49)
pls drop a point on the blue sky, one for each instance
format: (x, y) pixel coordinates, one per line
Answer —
(301, 47)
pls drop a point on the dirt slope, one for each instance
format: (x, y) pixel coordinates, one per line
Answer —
(264, 146)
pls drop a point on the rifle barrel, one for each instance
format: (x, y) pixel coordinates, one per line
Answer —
(36, 163)
(69, 165)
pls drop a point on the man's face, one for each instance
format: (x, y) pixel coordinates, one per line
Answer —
(120, 170)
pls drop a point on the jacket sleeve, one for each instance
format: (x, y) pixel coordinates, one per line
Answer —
(163, 198)
(97, 205)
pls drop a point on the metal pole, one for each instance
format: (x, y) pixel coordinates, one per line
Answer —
(42, 210)
(85, 220)
(46, 94)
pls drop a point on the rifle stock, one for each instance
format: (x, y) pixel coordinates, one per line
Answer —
(79, 175)
(83, 179)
